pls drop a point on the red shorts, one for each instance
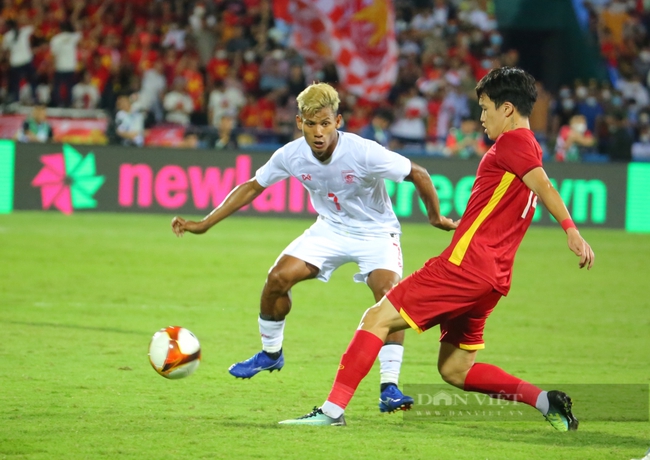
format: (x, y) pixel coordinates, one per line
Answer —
(443, 293)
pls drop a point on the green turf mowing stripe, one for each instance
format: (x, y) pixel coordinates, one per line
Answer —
(637, 213)
(7, 162)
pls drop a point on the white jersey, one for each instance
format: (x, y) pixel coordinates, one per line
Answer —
(348, 190)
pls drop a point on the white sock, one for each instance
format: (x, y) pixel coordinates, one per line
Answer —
(542, 403)
(272, 333)
(332, 410)
(390, 362)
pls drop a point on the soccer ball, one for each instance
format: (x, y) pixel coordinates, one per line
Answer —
(174, 352)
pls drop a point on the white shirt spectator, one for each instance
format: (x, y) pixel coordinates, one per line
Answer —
(178, 107)
(153, 85)
(129, 122)
(175, 37)
(64, 49)
(19, 47)
(633, 89)
(229, 100)
(85, 96)
(423, 21)
(412, 125)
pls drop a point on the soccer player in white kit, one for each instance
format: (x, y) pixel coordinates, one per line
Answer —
(344, 175)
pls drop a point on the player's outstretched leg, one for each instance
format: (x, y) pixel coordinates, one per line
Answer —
(316, 418)
(559, 413)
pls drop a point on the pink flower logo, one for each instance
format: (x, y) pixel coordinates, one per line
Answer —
(68, 180)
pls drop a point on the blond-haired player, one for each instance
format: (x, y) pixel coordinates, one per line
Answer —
(344, 175)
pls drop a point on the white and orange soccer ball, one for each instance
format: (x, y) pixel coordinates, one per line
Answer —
(174, 352)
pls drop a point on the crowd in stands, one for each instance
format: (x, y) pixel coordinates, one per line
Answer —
(227, 65)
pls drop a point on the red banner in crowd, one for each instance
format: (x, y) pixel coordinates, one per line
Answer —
(165, 136)
(358, 35)
(77, 131)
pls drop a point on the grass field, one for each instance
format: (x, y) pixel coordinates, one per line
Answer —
(81, 295)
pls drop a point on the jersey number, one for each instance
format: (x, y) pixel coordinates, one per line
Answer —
(335, 200)
(532, 203)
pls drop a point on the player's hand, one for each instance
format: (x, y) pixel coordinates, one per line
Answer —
(180, 226)
(581, 248)
(445, 223)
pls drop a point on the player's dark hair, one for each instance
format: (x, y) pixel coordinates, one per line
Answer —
(509, 84)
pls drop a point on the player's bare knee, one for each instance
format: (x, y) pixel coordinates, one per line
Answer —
(452, 375)
(278, 283)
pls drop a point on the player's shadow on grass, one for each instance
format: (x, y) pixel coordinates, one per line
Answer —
(74, 326)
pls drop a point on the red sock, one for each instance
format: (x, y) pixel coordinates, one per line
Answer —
(494, 381)
(356, 362)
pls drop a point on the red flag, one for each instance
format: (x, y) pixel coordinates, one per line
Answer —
(358, 35)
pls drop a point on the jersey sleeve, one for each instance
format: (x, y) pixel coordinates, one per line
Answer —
(386, 164)
(274, 170)
(517, 154)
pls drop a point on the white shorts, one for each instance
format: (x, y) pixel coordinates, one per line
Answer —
(328, 248)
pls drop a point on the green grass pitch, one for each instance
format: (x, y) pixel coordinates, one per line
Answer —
(81, 295)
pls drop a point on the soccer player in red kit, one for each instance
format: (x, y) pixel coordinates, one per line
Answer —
(459, 289)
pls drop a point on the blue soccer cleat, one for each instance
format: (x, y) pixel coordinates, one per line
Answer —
(392, 400)
(258, 363)
(559, 413)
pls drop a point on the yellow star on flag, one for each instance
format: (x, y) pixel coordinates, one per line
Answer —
(377, 14)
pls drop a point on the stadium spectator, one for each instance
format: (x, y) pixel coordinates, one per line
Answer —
(378, 128)
(409, 127)
(574, 140)
(618, 144)
(129, 123)
(36, 128)
(226, 135)
(154, 85)
(178, 104)
(466, 141)
(85, 94)
(224, 100)
(274, 71)
(16, 41)
(64, 49)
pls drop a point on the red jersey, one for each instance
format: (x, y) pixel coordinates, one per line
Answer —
(499, 210)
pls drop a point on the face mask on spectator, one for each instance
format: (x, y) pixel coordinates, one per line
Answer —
(644, 118)
(591, 101)
(645, 138)
(617, 101)
(565, 93)
(606, 95)
(452, 29)
(437, 32)
(486, 63)
(568, 104)
(581, 92)
(277, 54)
(496, 39)
(249, 56)
(579, 127)
(645, 56)
(221, 54)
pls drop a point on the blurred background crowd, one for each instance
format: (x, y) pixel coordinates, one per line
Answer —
(223, 74)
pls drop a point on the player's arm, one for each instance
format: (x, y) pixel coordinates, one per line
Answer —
(422, 181)
(538, 182)
(240, 196)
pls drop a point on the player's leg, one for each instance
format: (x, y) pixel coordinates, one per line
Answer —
(391, 399)
(275, 305)
(377, 323)
(462, 336)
